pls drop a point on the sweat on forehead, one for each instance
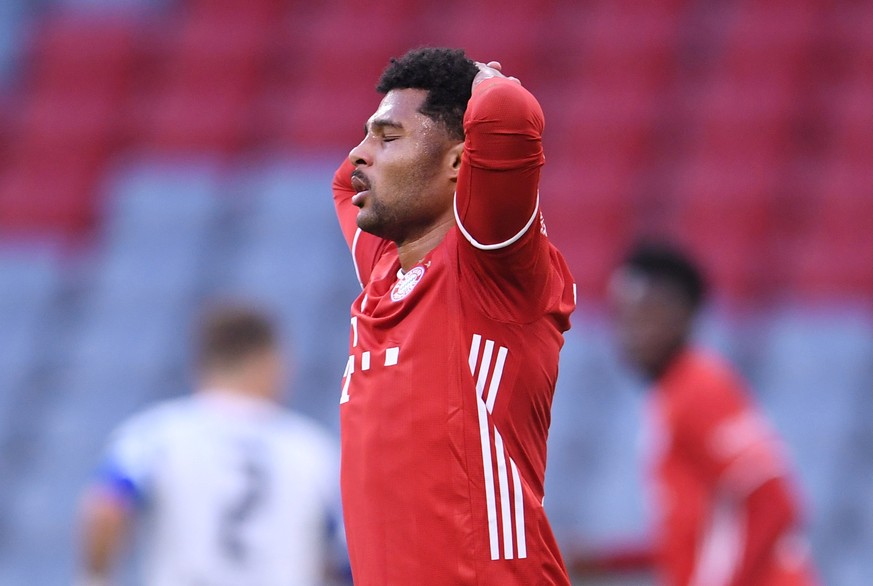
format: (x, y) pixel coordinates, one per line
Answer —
(398, 109)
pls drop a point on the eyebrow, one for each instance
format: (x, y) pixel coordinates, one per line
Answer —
(381, 124)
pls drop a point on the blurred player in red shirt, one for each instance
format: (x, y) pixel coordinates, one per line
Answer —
(725, 502)
(454, 343)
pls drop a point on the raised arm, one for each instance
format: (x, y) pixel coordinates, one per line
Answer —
(365, 247)
(342, 200)
(497, 197)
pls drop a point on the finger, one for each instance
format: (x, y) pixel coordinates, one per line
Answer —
(495, 65)
(516, 80)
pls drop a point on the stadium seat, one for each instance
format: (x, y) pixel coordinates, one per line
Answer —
(254, 8)
(319, 86)
(330, 52)
(594, 487)
(591, 123)
(33, 279)
(51, 191)
(12, 34)
(216, 46)
(814, 375)
(752, 119)
(158, 217)
(842, 201)
(852, 121)
(132, 341)
(192, 118)
(30, 283)
(834, 257)
(724, 212)
(317, 118)
(75, 50)
(45, 122)
(853, 533)
(268, 200)
(589, 213)
(765, 38)
(204, 74)
(510, 34)
(605, 43)
(630, 41)
(65, 121)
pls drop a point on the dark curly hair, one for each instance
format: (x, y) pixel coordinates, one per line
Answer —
(446, 74)
(665, 261)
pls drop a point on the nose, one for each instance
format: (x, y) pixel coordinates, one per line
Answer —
(360, 155)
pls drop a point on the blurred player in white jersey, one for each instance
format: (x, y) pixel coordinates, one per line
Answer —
(231, 489)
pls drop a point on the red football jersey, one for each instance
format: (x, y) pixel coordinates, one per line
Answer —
(447, 393)
(711, 449)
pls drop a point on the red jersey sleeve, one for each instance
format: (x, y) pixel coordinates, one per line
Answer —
(496, 200)
(739, 458)
(503, 249)
(365, 248)
(731, 442)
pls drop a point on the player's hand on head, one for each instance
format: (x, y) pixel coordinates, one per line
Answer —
(489, 70)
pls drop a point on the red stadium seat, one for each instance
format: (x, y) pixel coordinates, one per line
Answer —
(845, 197)
(511, 34)
(852, 122)
(638, 42)
(592, 122)
(590, 216)
(346, 50)
(208, 46)
(764, 38)
(269, 9)
(313, 118)
(822, 272)
(184, 117)
(49, 193)
(66, 121)
(74, 52)
(205, 72)
(834, 257)
(725, 212)
(606, 43)
(80, 121)
(744, 118)
(321, 86)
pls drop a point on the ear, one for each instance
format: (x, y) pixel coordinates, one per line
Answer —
(453, 156)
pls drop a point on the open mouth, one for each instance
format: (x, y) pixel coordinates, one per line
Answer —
(361, 186)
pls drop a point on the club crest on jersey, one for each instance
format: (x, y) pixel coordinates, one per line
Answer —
(407, 283)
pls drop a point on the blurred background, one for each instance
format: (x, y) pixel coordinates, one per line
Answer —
(157, 153)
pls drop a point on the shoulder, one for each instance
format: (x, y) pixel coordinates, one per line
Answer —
(307, 449)
(699, 370)
(156, 419)
(519, 283)
(702, 382)
(301, 430)
(135, 447)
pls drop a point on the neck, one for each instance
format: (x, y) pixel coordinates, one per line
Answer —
(413, 250)
(660, 370)
(234, 385)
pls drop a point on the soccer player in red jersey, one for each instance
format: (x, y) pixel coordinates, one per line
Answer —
(446, 396)
(726, 508)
